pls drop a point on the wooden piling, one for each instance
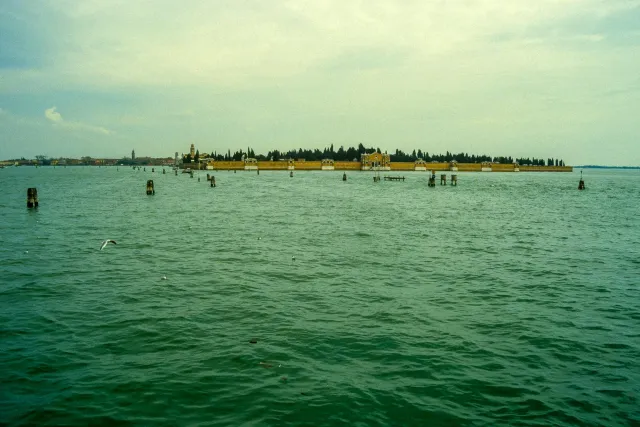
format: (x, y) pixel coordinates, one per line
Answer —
(150, 189)
(344, 176)
(290, 174)
(213, 181)
(454, 180)
(163, 171)
(443, 179)
(432, 179)
(581, 183)
(153, 170)
(32, 197)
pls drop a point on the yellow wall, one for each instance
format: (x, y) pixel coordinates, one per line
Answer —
(352, 166)
(397, 166)
(310, 165)
(502, 167)
(435, 166)
(402, 166)
(276, 165)
(546, 169)
(226, 165)
(469, 167)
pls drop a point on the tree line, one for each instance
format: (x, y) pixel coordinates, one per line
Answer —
(354, 153)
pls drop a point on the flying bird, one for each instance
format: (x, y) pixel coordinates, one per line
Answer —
(106, 242)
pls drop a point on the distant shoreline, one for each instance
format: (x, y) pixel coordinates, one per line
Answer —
(605, 167)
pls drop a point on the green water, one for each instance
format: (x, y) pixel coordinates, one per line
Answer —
(511, 299)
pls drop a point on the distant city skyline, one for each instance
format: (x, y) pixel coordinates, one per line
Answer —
(96, 78)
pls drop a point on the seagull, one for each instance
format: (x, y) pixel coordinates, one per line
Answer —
(106, 242)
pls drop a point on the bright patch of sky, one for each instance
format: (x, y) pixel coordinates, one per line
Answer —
(545, 78)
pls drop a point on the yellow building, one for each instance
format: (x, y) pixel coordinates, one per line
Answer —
(375, 161)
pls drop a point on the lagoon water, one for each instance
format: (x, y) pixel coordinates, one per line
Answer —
(511, 299)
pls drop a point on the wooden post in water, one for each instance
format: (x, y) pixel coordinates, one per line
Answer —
(163, 171)
(208, 177)
(213, 181)
(32, 197)
(344, 176)
(432, 179)
(454, 180)
(290, 174)
(581, 183)
(153, 170)
(443, 179)
(150, 189)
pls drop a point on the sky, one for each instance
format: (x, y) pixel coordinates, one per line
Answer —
(521, 78)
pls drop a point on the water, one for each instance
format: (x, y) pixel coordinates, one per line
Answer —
(511, 299)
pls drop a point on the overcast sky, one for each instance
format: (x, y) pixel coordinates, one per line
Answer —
(543, 78)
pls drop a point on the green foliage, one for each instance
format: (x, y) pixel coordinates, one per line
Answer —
(354, 153)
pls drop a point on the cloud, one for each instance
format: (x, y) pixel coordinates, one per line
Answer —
(53, 115)
(241, 44)
(56, 118)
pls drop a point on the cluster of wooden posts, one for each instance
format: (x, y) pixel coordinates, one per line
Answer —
(443, 179)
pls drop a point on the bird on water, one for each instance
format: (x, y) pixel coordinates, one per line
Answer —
(106, 242)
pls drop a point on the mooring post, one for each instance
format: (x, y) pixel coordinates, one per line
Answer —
(150, 189)
(191, 173)
(176, 171)
(344, 176)
(258, 171)
(291, 174)
(198, 179)
(581, 183)
(443, 179)
(432, 179)
(144, 169)
(163, 171)
(208, 177)
(454, 180)
(32, 197)
(153, 170)
(213, 181)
